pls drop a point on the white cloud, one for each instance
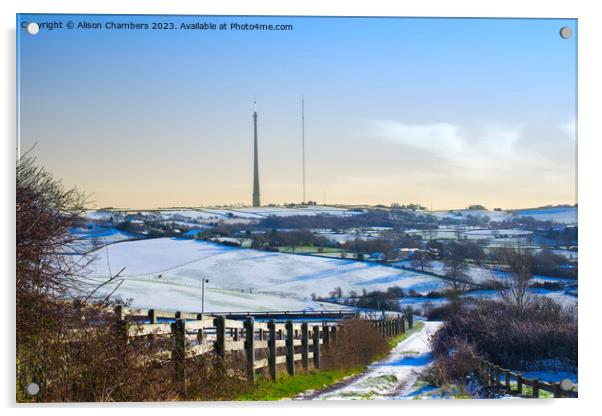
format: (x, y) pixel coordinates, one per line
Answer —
(430, 137)
(482, 151)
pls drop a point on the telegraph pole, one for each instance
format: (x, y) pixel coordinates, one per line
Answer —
(303, 141)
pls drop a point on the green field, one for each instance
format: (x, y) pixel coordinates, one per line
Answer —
(308, 249)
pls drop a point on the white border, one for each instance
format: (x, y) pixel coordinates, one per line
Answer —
(589, 184)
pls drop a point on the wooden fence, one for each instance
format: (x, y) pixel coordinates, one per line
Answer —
(281, 343)
(493, 378)
(137, 314)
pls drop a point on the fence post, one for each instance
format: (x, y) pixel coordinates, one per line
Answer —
(220, 342)
(305, 346)
(498, 376)
(290, 348)
(333, 334)
(535, 388)
(178, 355)
(519, 384)
(326, 335)
(272, 349)
(410, 318)
(234, 334)
(316, 346)
(403, 325)
(152, 319)
(507, 379)
(250, 348)
(152, 316)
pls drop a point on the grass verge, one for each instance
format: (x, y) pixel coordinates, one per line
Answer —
(286, 386)
(418, 325)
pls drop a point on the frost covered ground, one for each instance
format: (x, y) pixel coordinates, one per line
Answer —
(166, 273)
(395, 376)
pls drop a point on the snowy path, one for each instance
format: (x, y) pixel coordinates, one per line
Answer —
(394, 376)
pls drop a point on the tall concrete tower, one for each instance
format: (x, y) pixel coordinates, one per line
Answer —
(256, 201)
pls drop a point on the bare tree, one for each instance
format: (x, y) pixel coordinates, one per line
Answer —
(422, 259)
(519, 264)
(456, 268)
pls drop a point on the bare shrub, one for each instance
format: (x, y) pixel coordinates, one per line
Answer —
(357, 345)
(441, 312)
(91, 361)
(544, 332)
(209, 377)
(448, 367)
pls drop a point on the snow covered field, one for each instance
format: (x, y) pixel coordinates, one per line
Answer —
(215, 214)
(95, 237)
(481, 275)
(477, 274)
(166, 273)
(462, 214)
(482, 234)
(344, 237)
(566, 215)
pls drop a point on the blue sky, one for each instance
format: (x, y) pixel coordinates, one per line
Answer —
(445, 112)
